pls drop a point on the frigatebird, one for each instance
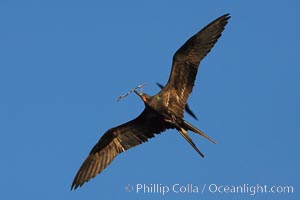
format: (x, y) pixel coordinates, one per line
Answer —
(162, 111)
(187, 107)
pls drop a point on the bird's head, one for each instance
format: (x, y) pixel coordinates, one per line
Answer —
(145, 97)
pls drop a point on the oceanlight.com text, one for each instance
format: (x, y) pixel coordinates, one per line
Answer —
(249, 189)
(177, 188)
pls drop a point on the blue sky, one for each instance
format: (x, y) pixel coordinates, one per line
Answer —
(64, 63)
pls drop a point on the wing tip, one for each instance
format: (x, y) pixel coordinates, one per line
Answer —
(74, 186)
(225, 17)
(223, 20)
(76, 182)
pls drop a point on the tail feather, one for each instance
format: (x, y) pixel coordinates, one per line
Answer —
(189, 140)
(194, 129)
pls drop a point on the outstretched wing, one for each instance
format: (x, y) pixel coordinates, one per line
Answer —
(117, 140)
(185, 65)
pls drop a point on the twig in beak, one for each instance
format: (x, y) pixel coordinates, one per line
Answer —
(132, 90)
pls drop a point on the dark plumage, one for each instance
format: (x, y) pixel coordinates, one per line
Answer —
(162, 111)
(187, 107)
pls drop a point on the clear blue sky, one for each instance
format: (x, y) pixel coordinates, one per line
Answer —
(64, 63)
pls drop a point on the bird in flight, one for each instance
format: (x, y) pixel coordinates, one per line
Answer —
(162, 111)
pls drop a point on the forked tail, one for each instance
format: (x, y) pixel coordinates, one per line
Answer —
(184, 134)
(183, 131)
